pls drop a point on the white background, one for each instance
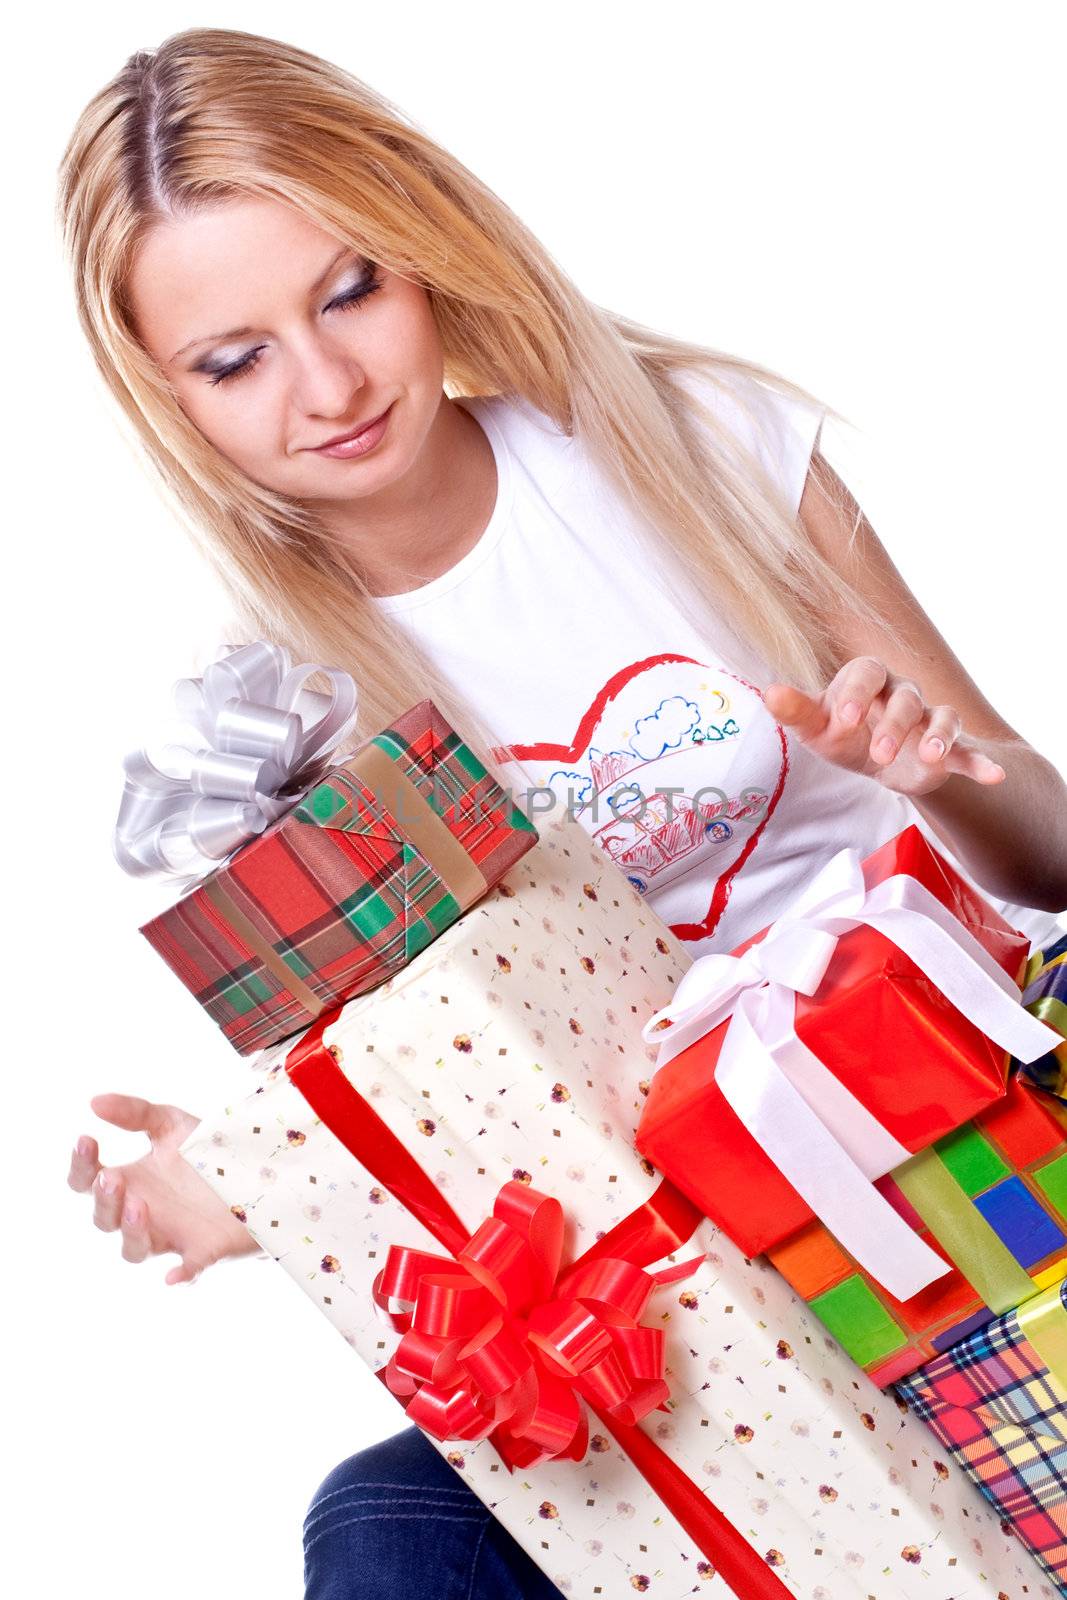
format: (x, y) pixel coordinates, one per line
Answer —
(866, 197)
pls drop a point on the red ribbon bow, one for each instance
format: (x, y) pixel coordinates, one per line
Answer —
(540, 1342)
(497, 1341)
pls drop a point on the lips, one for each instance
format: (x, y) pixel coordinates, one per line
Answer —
(353, 433)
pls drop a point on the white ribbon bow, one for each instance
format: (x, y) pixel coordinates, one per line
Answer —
(817, 1133)
(265, 740)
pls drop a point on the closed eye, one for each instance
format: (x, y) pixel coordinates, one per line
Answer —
(246, 364)
(361, 291)
(343, 302)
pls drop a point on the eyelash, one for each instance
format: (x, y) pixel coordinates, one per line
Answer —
(343, 302)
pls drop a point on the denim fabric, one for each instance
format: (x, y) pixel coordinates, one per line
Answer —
(394, 1522)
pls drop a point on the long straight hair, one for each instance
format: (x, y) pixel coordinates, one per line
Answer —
(214, 115)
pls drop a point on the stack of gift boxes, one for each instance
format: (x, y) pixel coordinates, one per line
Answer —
(449, 1016)
(983, 1183)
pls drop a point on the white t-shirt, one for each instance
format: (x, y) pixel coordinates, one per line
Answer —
(556, 626)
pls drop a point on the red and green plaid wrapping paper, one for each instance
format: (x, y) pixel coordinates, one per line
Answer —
(337, 888)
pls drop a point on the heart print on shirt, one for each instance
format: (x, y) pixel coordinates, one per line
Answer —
(676, 767)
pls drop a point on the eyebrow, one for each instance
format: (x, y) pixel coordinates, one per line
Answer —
(239, 333)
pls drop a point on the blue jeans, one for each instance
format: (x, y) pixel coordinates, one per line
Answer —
(395, 1521)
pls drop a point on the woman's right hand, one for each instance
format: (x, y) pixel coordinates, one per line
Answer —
(160, 1203)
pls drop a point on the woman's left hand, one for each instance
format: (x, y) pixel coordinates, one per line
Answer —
(869, 720)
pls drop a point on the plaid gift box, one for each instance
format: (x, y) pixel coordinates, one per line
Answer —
(378, 859)
(998, 1403)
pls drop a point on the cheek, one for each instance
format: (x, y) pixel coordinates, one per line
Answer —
(409, 339)
(239, 420)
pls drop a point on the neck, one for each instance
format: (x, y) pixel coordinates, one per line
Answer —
(427, 520)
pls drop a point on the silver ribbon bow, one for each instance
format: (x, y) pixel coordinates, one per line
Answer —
(255, 740)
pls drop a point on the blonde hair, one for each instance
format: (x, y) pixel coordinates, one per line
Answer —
(215, 114)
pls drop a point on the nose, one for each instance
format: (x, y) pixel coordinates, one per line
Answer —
(327, 381)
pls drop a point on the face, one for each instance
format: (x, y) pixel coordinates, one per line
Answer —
(277, 340)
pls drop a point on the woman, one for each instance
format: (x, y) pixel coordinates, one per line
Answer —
(412, 448)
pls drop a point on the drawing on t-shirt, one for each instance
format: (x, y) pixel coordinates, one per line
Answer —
(675, 767)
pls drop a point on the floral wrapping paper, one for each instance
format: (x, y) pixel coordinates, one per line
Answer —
(511, 1048)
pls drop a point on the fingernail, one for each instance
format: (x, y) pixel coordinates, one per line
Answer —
(934, 743)
(107, 1183)
(885, 747)
(129, 1217)
(850, 711)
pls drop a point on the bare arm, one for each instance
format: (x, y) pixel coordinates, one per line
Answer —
(1010, 832)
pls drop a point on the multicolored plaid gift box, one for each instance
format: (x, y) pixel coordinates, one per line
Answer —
(997, 1402)
(337, 895)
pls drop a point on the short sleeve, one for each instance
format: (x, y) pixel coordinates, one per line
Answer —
(779, 430)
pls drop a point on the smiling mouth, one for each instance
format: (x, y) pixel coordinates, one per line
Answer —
(353, 433)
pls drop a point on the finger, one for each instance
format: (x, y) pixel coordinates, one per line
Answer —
(972, 763)
(109, 1191)
(133, 1112)
(796, 709)
(136, 1240)
(904, 708)
(943, 728)
(855, 686)
(188, 1272)
(84, 1164)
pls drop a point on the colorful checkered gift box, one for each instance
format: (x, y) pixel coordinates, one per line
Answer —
(1010, 1162)
(997, 1401)
(1004, 1226)
(380, 856)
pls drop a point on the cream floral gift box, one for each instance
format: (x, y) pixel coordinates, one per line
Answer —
(509, 1053)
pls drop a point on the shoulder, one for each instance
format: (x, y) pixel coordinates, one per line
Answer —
(754, 424)
(520, 422)
(777, 428)
(527, 438)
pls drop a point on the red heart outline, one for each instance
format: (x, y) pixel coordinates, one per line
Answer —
(580, 744)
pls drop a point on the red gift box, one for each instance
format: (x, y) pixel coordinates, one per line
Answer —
(883, 1029)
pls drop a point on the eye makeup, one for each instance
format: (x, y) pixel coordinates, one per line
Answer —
(224, 372)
